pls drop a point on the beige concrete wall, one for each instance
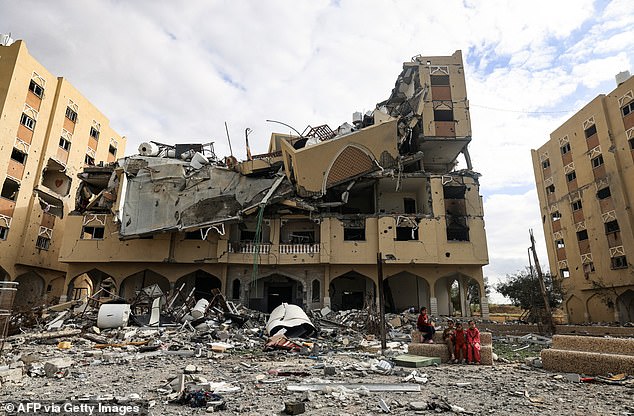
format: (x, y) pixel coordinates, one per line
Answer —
(17, 68)
(583, 301)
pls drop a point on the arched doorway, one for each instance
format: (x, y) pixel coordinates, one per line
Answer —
(625, 305)
(575, 310)
(55, 289)
(405, 290)
(458, 295)
(89, 283)
(30, 291)
(266, 293)
(600, 308)
(201, 281)
(351, 291)
(137, 281)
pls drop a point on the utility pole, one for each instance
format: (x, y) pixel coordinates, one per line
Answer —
(542, 286)
(379, 268)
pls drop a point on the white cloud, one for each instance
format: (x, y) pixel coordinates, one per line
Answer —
(175, 73)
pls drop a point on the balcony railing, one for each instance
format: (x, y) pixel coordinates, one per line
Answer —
(249, 248)
(299, 248)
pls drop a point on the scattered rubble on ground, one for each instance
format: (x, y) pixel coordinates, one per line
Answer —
(221, 356)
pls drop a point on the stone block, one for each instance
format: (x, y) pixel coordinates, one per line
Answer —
(589, 363)
(52, 367)
(623, 346)
(294, 408)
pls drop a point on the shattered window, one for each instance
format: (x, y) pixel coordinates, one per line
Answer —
(454, 192)
(247, 235)
(36, 89)
(94, 133)
(43, 243)
(64, 144)
(612, 227)
(10, 189)
(27, 121)
(628, 108)
(406, 233)
(409, 205)
(590, 131)
(577, 205)
(556, 216)
(443, 115)
(560, 243)
(92, 233)
(618, 262)
(550, 189)
(112, 150)
(604, 193)
(564, 273)
(89, 160)
(582, 235)
(565, 148)
(597, 161)
(631, 144)
(439, 80)
(302, 237)
(354, 234)
(4, 231)
(18, 156)
(588, 268)
(71, 114)
(546, 164)
(571, 176)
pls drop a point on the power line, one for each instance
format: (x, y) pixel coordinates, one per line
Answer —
(519, 111)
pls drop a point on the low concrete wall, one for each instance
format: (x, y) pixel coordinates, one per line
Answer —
(439, 348)
(622, 346)
(589, 363)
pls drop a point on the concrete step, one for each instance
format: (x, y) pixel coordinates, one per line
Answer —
(589, 363)
(485, 337)
(622, 346)
(440, 350)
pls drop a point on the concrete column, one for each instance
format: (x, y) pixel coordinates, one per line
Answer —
(326, 301)
(433, 305)
(462, 289)
(484, 307)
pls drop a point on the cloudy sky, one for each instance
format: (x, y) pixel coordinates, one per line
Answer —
(176, 71)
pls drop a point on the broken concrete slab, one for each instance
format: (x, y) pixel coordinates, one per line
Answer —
(415, 361)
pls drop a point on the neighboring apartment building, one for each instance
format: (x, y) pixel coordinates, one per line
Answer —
(585, 183)
(48, 133)
(304, 222)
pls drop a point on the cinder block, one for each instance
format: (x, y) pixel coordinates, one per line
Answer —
(590, 363)
(622, 346)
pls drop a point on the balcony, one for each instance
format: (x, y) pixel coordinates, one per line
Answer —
(247, 247)
(299, 248)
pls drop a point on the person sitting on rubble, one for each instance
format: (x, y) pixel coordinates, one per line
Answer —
(449, 337)
(460, 344)
(473, 343)
(425, 326)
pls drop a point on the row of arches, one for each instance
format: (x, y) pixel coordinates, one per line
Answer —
(601, 307)
(454, 295)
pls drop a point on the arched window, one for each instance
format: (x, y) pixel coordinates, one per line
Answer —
(316, 292)
(235, 294)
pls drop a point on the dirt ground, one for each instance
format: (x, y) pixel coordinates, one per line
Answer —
(502, 389)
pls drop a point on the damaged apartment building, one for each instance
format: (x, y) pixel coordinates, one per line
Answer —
(48, 132)
(585, 183)
(305, 222)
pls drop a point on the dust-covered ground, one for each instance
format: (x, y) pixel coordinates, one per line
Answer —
(125, 373)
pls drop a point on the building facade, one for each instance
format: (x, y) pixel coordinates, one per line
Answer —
(585, 183)
(306, 222)
(48, 133)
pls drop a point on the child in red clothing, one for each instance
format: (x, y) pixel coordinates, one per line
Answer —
(460, 344)
(473, 344)
(425, 326)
